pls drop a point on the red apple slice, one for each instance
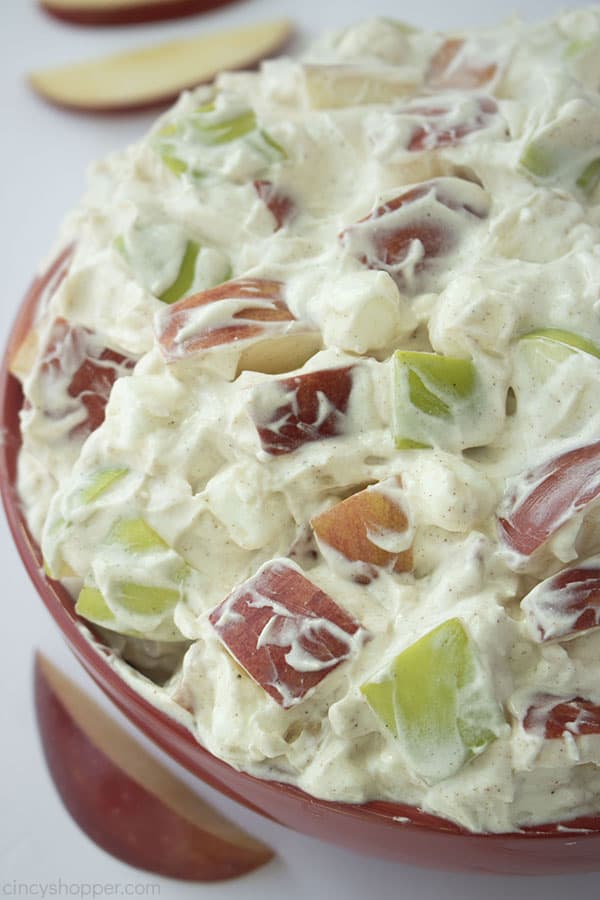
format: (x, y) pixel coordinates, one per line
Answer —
(548, 496)
(280, 205)
(566, 604)
(456, 65)
(285, 632)
(23, 346)
(142, 78)
(556, 716)
(292, 411)
(125, 12)
(124, 799)
(250, 314)
(441, 128)
(359, 527)
(417, 218)
(75, 377)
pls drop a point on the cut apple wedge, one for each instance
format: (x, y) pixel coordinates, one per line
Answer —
(125, 12)
(124, 799)
(150, 76)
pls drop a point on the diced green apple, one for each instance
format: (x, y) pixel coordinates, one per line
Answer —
(589, 179)
(101, 482)
(136, 535)
(438, 702)
(185, 277)
(542, 350)
(93, 607)
(429, 388)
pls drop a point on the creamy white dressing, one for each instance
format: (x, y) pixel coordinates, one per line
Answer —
(405, 210)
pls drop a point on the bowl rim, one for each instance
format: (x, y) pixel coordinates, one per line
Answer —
(94, 656)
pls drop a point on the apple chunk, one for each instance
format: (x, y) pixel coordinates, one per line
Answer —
(364, 527)
(438, 701)
(406, 233)
(125, 12)
(456, 65)
(285, 632)
(124, 799)
(565, 604)
(544, 498)
(553, 717)
(141, 78)
(293, 411)
(443, 125)
(74, 377)
(248, 314)
(280, 205)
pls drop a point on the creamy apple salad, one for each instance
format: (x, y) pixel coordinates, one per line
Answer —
(311, 428)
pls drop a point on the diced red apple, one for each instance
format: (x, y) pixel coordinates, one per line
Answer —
(124, 12)
(547, 496)
(280, 205)
(441, 129)
(245, 313)
(454, 66)
(24, 341)
(566, 604)
(430, 218)
(125, 800)
(285, 632)
(554, 717)
(290, 412)
(76, 375)
(359, 527)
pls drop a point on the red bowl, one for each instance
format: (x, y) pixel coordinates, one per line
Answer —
(390, 830)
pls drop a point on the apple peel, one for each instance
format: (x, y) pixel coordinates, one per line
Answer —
(124, 799)
(125, 12)
(155, 75)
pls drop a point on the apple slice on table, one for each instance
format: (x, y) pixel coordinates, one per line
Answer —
(566, 604)
(554, 717)
(542, 499)
(290, 412)
(24, 342)
(124, 799)
(438, 701)
(247, 314)
(154, 75)
(364, 527)
(457, 64)
(125, 12)
(286, 632)
(435, 401)
(404, 234)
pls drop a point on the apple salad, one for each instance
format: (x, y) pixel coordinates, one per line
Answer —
(311, 429)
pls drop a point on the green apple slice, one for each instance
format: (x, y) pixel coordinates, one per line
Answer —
(589, 179)
(437, 700)
(101, 482)
(185, 277)
(540, 352)
(136, 535)
(430, 391)
(92, 606)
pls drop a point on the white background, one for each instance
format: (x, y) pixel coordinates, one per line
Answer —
(43, 156)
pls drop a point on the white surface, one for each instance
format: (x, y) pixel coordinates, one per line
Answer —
(43, 155)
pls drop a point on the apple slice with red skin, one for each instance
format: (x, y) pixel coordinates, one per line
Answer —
(124, 799)
(77, 358)
(389, 239)
(156, 75)
(250, 314)
(565, 604)
(23, 345)
(290, 412)
(440, 129)
(351, 527)
(548, 496)
(446, 69)
(556, 716)
(125, 12)
(280, 205)
(285, 632)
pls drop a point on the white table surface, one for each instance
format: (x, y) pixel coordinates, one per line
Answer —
(43, 156)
